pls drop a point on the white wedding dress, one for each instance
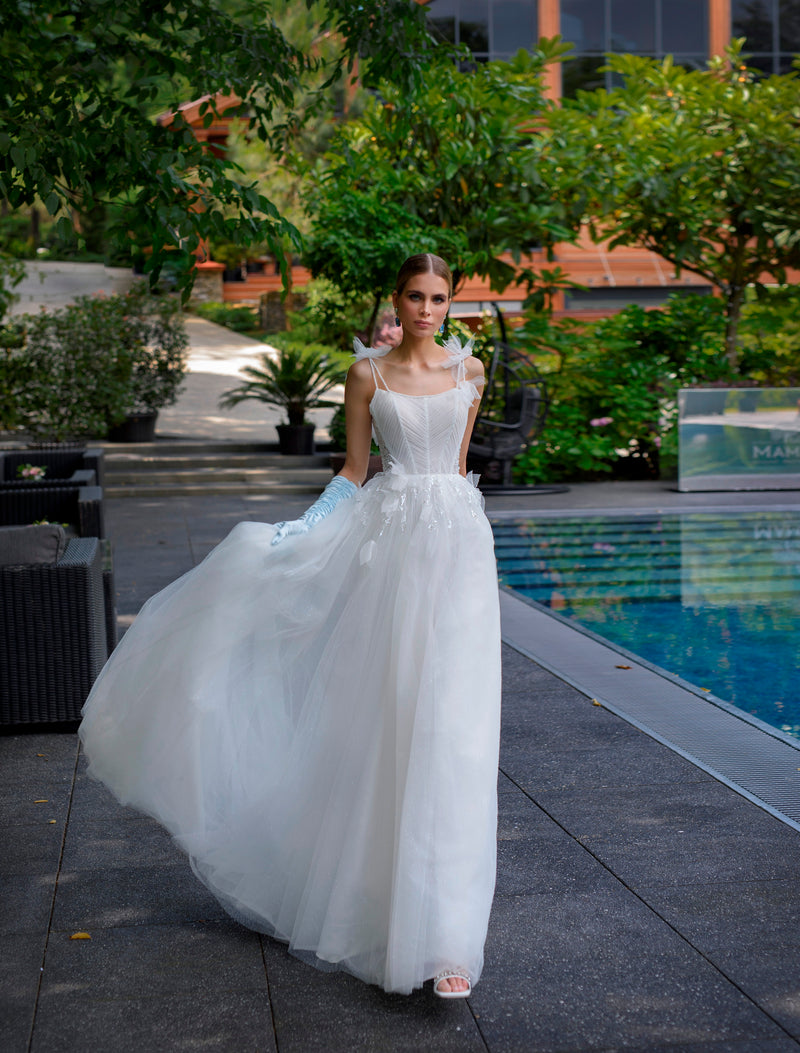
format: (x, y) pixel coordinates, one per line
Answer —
(317, 722)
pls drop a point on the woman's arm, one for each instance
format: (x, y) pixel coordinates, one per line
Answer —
(475, 373)
(358, 391)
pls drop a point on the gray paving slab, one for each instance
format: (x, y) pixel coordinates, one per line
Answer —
(145, 961)
(21, 957)
(230, 1021)
(107, 843)
(602, 971)
(694, 833)
(334, 1013)
(33, 850)
(134, 897)
(26, 901)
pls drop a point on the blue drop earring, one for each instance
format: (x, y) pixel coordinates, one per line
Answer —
(397, 319)
(441, 328)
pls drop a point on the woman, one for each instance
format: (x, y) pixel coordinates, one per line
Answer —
(313, 711)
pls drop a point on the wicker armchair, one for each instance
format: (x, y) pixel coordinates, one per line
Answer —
(64, 467)
(53, 639)
(80, 506)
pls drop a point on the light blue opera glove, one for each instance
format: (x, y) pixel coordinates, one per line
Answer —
(338, 489)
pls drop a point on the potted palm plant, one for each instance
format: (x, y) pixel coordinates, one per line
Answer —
(295, 378)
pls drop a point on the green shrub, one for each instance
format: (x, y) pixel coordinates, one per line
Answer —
(90, 364)
(330, 316)
(613, 386)
(240, 317)
(769, 335)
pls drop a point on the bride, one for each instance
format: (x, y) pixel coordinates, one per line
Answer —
(313, 711)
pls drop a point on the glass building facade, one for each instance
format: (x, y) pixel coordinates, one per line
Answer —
(490, 28)
(772, 31)
(495, 29)
(642, 27)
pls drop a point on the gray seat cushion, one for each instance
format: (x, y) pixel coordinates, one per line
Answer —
(23, 545)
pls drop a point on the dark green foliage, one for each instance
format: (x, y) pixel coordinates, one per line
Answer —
(331, 316)
(83, 81)
(614, 386)
(625, 371)
(699, 166)
(87, 366)
(451, 167)
(239, 317)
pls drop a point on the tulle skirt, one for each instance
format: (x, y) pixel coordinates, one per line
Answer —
(317, 725)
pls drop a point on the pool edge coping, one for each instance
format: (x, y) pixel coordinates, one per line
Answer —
(521, 620)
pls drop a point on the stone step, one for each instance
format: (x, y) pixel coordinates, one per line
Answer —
(125, 465)
(194, 468)
(209, 489)
(258, 475)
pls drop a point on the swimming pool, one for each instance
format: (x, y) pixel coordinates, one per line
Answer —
(711, 598)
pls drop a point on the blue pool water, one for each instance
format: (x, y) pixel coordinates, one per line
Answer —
(714, 599)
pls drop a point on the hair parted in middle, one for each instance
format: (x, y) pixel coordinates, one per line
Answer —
(423, 263)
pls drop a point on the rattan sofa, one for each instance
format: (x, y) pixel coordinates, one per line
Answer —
(53, 633)
(61, 465)
(79, 506)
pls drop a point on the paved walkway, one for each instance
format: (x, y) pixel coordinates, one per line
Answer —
(640, 906)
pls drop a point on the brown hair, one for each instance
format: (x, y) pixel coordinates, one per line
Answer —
(423, 263)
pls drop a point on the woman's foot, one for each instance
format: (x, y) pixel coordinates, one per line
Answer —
(452, 983)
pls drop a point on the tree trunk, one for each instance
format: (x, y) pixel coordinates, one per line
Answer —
(733, 313)
(373, 318)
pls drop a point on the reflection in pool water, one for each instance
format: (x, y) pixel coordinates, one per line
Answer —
(714, 599)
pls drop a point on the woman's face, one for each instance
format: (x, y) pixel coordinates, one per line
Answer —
(422, 305)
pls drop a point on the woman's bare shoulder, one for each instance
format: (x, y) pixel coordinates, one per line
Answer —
(360, 370)
(474, 367)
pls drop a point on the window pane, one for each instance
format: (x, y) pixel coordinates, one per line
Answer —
(442, 18)
(582, 24)
(789, 15)
(474, 25)
(753, 19)
(443, 28)
(582, 74)
(514, 25)
(684, 26)
(633, 25)
(765, 63)
(697, 61)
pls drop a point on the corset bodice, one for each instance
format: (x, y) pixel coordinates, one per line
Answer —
(421, 434)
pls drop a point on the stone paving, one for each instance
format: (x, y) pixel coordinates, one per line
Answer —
(640, 905)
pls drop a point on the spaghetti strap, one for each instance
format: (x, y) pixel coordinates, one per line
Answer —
(377, 375)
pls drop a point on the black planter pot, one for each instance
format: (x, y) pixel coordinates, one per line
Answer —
(296, 438)
(137, 427)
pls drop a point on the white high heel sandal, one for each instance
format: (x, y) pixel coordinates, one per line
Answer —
(447, 974)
